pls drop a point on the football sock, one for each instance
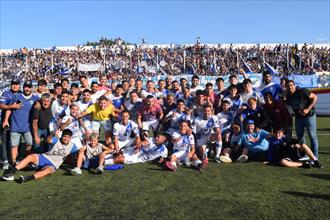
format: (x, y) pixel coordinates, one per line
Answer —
(28, 178)
(218, 147)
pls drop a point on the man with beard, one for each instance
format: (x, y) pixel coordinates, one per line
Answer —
(20, 121)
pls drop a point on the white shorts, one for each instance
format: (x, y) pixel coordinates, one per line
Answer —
(125, 144)
(53, 126)
(107, 125)
(202, 140)
(181, 155)
(146, 125)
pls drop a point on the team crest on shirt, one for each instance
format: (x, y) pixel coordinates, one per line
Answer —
(31, 102)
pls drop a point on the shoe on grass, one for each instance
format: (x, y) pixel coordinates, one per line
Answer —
(307, 165)
(170, 166)
(317, 164)
(8, 175)
(99, 170)
(225, 159)
(76, 171)
(305, 158)
(217, 159)
(242, 159)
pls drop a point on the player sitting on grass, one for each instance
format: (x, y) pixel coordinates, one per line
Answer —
(233, 147)
(48, 162)
(207, 129)
(285, 151)
(184, 148)
(91, 154)
(149, 149)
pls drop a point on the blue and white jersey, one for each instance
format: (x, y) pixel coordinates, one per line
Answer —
(254, 94)
(58, 110)
(185, 143)
(124, 132)
(117, 101)
(162, 94)
(145, 93)
(177, 118)
(274, 89)
(235, 103)
(20, 120)
(225, 120)
(205, 127)
(74, 126)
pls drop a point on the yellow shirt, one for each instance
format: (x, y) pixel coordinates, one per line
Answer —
(98, 114)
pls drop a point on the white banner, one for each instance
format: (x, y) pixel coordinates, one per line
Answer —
(90, 67)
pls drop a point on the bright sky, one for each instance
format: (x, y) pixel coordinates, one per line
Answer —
(64, 23)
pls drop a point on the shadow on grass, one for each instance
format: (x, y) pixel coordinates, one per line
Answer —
(307, 195)
(323, 129)
(319, 176)
(323, 152)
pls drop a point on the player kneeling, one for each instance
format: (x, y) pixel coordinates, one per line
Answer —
(91, 154)
(285, 151)
(149, 150)
(48, 162)
(183, 148)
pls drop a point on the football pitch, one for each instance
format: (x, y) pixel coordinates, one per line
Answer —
(145, 191)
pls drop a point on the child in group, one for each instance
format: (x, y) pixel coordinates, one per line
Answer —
(286, 151)
(91, 154)
(233, 148)
(184, 149)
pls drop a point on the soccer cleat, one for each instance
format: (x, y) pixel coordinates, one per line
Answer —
(306, 165)
(170, 166)
(317, 164)
(205, 163)
(76, 171)
(305, 158)
(9, 175)
(242, 159)
(217, 159)
(225, 159)
(99, 170)
(21, 179)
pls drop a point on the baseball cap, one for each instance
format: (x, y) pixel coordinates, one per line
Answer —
(250, 122)
(27, 83)
(15, 81)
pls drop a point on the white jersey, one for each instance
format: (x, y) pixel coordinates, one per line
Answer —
(97, 95)
(93, 151)
(129, 105)
(124, 132)
(83, 106)
(177, 118)
(74, 126)
(145, 93)
(254, 94)
(193, 90)
(147, 153)
(185, 143)
(59, 151)
(58, 110)
(204, 127)
(225, 120)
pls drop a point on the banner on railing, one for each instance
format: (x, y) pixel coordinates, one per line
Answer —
(89, 67)
(306, 81)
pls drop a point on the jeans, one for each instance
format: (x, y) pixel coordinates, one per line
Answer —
(42, 134)
(310, 124)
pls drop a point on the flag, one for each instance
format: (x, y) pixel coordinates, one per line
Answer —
(246, 67)
(271, 69)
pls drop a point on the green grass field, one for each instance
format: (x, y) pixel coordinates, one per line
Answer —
(145, 191)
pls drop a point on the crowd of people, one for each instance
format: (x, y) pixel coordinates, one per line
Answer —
(172, 122)
(126, 61)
